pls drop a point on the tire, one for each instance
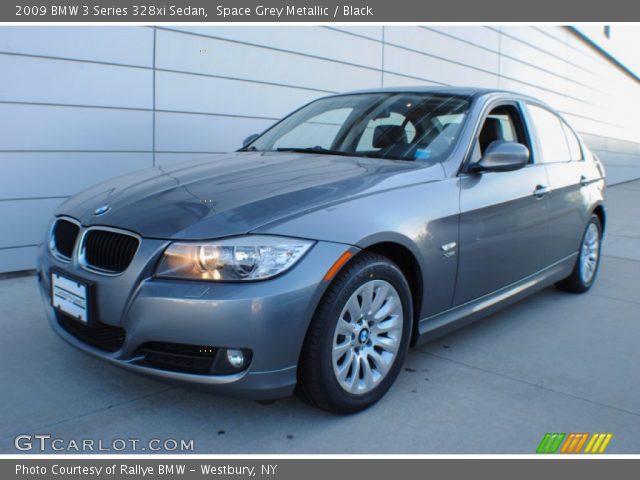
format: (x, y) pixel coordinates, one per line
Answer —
(378, 341)
(584, 272)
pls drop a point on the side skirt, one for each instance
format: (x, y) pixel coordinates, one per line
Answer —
(457, 317)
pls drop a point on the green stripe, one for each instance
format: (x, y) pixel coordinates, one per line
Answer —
(543, 443)
(557, 442)
(551, 442)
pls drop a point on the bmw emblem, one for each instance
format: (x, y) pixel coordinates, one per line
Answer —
(364, 336)
(101, 210)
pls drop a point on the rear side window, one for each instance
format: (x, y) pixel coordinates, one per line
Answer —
(551, 136)
(573, 142)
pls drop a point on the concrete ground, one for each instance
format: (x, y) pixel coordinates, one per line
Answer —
(555, 362)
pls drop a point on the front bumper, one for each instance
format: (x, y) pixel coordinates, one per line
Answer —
(270, 317)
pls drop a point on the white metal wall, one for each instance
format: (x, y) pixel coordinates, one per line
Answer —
(81, 104)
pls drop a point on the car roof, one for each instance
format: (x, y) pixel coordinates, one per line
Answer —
(461, 91)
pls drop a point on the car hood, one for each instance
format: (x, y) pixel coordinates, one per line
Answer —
(232, 194)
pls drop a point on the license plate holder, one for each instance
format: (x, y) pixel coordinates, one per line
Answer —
(71, 296)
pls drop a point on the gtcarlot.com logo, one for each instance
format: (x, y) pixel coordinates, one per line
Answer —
(574, 443)
(45, 442)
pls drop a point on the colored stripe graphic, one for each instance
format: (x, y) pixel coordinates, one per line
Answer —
(569, 443)
(543, 443)
(550, 443)
(583, 439)
(573, 443)
(598, 443)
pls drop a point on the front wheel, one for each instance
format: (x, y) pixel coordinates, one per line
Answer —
(584, 272)
(359, 336)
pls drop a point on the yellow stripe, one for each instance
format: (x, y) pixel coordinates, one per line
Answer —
(598, 442)
(583, 439)
(590, 444)
(607, 439)
(567, 442)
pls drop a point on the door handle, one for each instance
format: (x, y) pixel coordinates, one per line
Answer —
(584, 181)
(540, 191)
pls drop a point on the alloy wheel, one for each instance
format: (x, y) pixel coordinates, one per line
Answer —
(367, 336)
(589, 253)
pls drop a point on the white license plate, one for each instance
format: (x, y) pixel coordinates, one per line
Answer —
(70, 297)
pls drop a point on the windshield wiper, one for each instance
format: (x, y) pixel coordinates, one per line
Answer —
(326, 151)
(320, 150)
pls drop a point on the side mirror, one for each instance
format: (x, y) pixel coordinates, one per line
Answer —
(249, 139)
(502, 156)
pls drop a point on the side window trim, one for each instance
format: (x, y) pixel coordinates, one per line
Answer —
(531, 132)
(567, 127)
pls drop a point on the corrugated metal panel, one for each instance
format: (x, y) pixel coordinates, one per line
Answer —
(38, 80)
(46, 127)
(196, 93)
(121, 45)
(27, 218)
(30, 174)
(184, 132)
(84, 104)
(212, 56)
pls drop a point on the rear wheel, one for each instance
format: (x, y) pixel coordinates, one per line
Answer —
(358, 339)
(584, 272)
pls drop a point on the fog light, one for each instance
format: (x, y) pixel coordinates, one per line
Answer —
(235, 357)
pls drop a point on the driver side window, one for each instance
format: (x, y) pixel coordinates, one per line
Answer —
(503, 123)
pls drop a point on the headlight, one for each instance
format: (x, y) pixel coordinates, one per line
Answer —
(253, 257)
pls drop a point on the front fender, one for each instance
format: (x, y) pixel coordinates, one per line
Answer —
(421, 218)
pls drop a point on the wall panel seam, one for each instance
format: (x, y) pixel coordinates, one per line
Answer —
(489, 72)
(515, 59)
(170, 70)
(153, 97)
(20, 199)
(77, 60)
(354, 34)
(104, 151)
(74, 105)
(20, 246)
(136, 109)
(266, 47)
(540, 49)
(238, 79)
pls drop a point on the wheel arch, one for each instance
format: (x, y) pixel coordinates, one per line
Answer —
(410, 267)
(601, 213)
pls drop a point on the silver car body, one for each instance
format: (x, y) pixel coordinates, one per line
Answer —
(468, 243)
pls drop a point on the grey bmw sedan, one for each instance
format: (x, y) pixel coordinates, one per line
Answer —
(316, 255)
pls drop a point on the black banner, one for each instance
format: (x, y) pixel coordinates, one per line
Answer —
(184, 11)
(321, 469)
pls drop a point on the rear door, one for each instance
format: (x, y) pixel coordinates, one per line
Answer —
(561, 155)
(503, 220)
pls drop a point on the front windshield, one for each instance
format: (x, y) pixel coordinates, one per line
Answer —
(397, 126)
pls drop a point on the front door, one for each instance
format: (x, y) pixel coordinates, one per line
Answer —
(503, 215)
